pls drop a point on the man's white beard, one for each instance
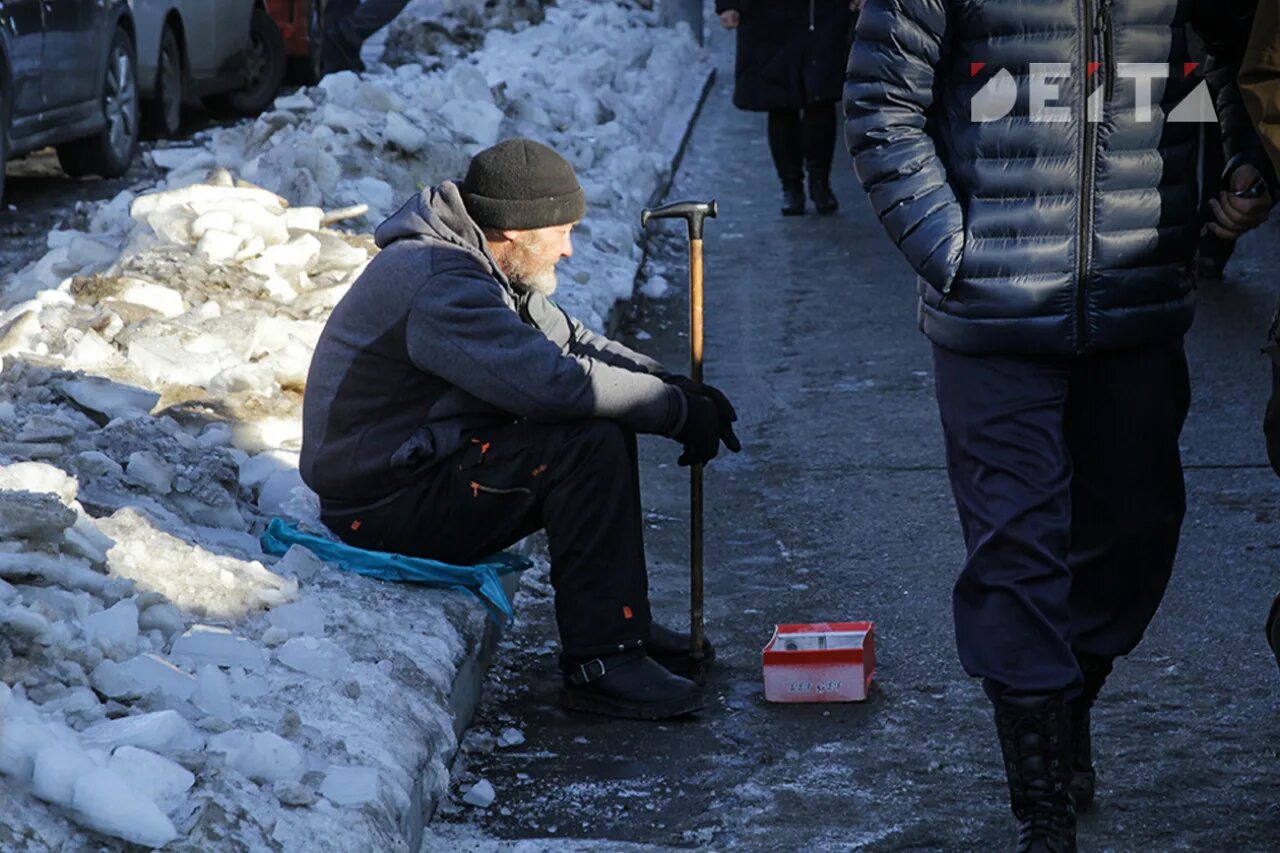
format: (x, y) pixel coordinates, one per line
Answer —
(543, 282)
(521, 269)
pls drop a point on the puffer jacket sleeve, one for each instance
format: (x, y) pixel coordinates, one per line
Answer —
(1224, 27)
(888, 93)
(462, 330)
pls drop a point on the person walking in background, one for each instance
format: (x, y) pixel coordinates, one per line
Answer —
(790, 63)
(1054, 250)
(348, 24)
(1260, 91)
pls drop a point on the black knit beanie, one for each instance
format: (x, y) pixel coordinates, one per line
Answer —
(521, 185)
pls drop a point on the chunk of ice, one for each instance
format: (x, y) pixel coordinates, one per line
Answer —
(104, 801)
(316, 657)
(159, 779)
(57, 767)
(510, 737)
(264, 757)
(350, 786)
(213, 693)
(481, 795)
(203, 644)
(301, 617)
(159, 731)
(150, 469)
(114, 630)
(142, 676)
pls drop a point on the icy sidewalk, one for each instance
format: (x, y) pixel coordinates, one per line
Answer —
(167, 683)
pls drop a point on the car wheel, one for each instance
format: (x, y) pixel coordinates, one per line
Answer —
(265, 63)
(110, 151)
(164, 113)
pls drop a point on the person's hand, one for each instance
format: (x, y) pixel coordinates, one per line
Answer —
(725, 412)
(700, 434)
(730, 19)
(1234, 215)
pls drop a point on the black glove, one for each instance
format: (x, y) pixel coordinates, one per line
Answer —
(724, 409)
(700, 434)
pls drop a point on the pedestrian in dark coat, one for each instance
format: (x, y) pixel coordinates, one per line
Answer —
(790, 64)
(1054, 249)
(348, 24)
(453, 409)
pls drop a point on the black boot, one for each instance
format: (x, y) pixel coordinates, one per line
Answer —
(1084, 779)
(793, 198)
(1035, 737)
(630, 685)
(673, 650)
(820, 191)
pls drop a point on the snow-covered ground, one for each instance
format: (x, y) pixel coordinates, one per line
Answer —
(162, 681)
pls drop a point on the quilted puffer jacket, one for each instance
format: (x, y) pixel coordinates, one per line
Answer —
(1061, 236)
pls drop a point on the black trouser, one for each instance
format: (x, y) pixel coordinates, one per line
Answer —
(580, 481)
(803, 140)
(1068, 480)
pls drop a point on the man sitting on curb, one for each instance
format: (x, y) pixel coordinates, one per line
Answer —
(452, 409)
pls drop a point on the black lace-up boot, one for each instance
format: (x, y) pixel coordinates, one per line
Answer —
(1035, 737)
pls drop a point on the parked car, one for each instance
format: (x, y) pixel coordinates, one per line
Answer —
(302, 23)
(228, 51)
(68, 78)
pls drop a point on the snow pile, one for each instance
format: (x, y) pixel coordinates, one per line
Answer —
(595, 81)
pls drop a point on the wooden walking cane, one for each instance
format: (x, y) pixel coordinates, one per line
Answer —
(693, 212)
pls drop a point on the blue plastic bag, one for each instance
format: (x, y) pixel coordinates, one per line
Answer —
(482, 580)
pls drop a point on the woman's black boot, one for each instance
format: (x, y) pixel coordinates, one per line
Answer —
(792, 198)
(820, 191)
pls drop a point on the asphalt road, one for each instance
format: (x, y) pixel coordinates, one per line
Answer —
(839, 508)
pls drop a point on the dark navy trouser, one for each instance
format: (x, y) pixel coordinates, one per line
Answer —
(579, 481)
(1068, 481)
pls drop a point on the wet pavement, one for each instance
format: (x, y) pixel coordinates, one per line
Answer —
(839, 508)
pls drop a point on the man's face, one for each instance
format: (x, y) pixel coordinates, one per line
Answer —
(530, 259)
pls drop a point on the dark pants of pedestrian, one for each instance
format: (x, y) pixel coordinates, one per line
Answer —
(801, 140)
(580, 481)
(348, 23)
(1068, 480)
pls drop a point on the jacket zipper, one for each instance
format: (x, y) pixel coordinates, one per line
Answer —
(477, 488)
(812, 16)
(1106, 29)
(1084, 247)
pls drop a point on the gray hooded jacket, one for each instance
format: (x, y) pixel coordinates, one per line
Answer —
(433, 343)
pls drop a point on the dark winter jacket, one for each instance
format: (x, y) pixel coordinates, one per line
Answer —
(432, 343)
(1039, 237)
(790, 52)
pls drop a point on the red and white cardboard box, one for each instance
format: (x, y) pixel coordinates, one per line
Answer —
(820, 662)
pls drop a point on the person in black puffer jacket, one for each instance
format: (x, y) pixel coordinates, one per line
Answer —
(1054, 249)
(790, 64)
